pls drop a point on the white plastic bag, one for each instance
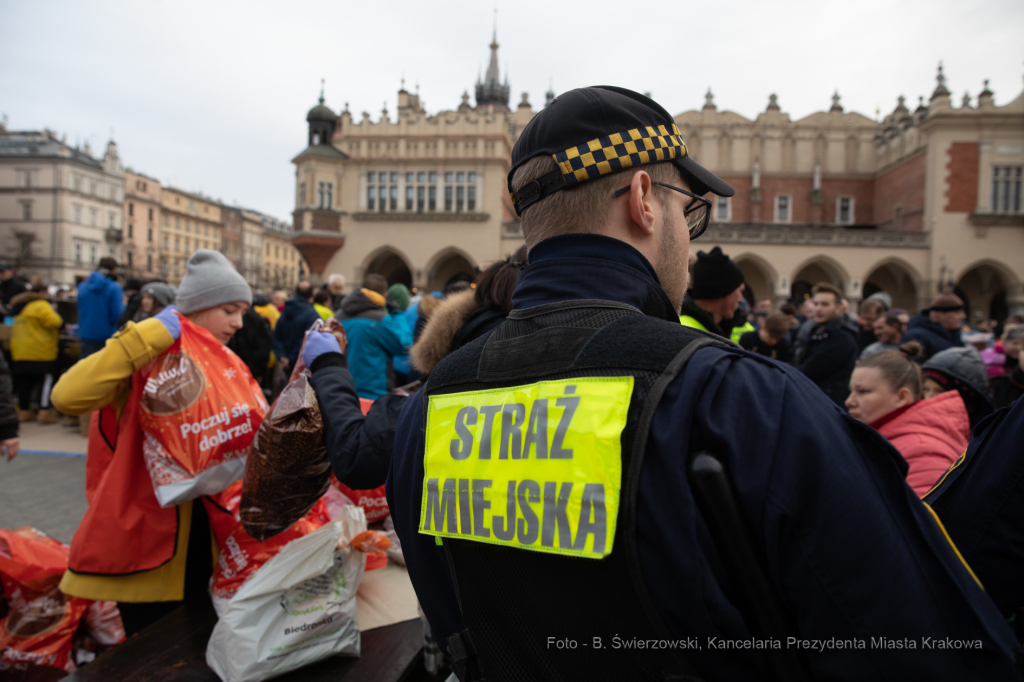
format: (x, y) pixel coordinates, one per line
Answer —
(298, 608)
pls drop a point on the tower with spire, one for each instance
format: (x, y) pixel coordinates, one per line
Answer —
(491, 90)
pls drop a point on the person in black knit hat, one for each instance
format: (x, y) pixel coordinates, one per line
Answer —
(716, 293)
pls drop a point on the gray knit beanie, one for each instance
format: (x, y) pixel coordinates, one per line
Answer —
(162, 293)
(209, 281)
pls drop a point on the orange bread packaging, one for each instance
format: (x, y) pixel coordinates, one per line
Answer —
(41, 620)
(200, 411)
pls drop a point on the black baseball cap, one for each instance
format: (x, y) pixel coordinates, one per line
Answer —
(593, 132)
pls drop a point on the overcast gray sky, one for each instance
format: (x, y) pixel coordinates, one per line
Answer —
(211, 96)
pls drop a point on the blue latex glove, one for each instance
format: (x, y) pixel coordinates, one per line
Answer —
(169, 317)
(317, 344)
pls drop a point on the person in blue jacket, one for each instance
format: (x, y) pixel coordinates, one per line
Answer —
(100, 304)
(298, 316)
(938, 327)
(375, 337)
(869, 579)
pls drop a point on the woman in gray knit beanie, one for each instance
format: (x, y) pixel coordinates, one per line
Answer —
(213, 295)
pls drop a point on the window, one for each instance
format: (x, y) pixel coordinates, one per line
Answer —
(149, 236)
(131, 209)
(110, 220)
(206, 230)
(92, 216)
(166, 243)
(188, 225)
(782, 209)
(177, 223)
(459, 192)
(471, 197)
(463, 191)
(844, 210)
(28, 178)
(1006, 182)
(723, 209)
(300, 197)
(433, 178)
(421, 177)
(175, 268)
(78, 252)
(26, 210)
(130, 260)
(393, 202)
(371, 193)
(421, 197)
(151, 215)
(394, 177)
(371, 177)
(130, 230)
(409, 177)
(448, 195)
(177, 244)
(149, 263)
(167, 221)
(92, 254)
(432, 198)
(410, 196)
(78, 213)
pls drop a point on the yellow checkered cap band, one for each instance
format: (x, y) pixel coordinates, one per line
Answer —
(619, 151)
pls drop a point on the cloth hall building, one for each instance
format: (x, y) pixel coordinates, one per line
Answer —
(923, 201)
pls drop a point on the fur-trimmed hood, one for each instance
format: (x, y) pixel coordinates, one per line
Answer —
(445, 322)
(19, 302)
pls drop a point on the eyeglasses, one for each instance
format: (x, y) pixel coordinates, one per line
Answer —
(697, 213)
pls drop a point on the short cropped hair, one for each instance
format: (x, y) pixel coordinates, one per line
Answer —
(872, 307)
(826, 288)
(304, 290)
(323, 297)
(777, 325)
(581, 209)
(375, 282)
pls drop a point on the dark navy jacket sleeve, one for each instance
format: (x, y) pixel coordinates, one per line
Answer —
(850, 547)
(981, 502)
(428, 566)
(359, 447)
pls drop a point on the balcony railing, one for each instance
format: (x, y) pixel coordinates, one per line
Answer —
(806, 235)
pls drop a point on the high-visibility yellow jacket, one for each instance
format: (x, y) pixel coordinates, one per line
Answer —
(737, 332)
(688, 321)
(36, 329)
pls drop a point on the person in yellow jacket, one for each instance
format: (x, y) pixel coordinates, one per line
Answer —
(128, 548)
(715, 294)
(34, 352)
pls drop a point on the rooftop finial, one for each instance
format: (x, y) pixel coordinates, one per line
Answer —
(940, 88)
(494, 35)
(836, 106)
(321, 91)
(709, 99)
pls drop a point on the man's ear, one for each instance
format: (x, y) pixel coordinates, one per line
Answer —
(639, 204)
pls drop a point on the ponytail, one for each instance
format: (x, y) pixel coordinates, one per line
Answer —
(898, 368)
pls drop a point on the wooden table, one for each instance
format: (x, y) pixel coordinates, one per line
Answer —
(173, 649)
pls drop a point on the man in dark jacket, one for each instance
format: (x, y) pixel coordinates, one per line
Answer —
(715, 295)
(938, 327)
(849, 549)
(10, 286)
(100, 304)
(831, 347)
(298, 316)
(981, 502)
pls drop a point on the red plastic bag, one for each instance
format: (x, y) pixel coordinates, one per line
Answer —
(240, 554)
(374, 502)
(200, 412)
(41, 620)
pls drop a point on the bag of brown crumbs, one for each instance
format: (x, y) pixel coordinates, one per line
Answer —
(288, 469)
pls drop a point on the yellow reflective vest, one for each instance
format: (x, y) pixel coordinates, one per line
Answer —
(737, 332)
(688, 321)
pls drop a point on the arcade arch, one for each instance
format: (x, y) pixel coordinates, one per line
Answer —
(391, 264)
(810, 272)
(984, 287)
(897, 278)
(449, 266)
(759, 276)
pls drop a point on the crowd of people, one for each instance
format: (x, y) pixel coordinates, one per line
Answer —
(831, 488)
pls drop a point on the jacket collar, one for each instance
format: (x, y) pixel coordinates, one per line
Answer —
(588, 266)
(691, 308)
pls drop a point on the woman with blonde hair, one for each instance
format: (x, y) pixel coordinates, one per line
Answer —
(886, 393)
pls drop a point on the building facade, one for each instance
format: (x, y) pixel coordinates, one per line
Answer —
(141, 220)
(231, 236)
(418, 198)
(60, 207)
(921, 202)
(190, 222)
(283, 265)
